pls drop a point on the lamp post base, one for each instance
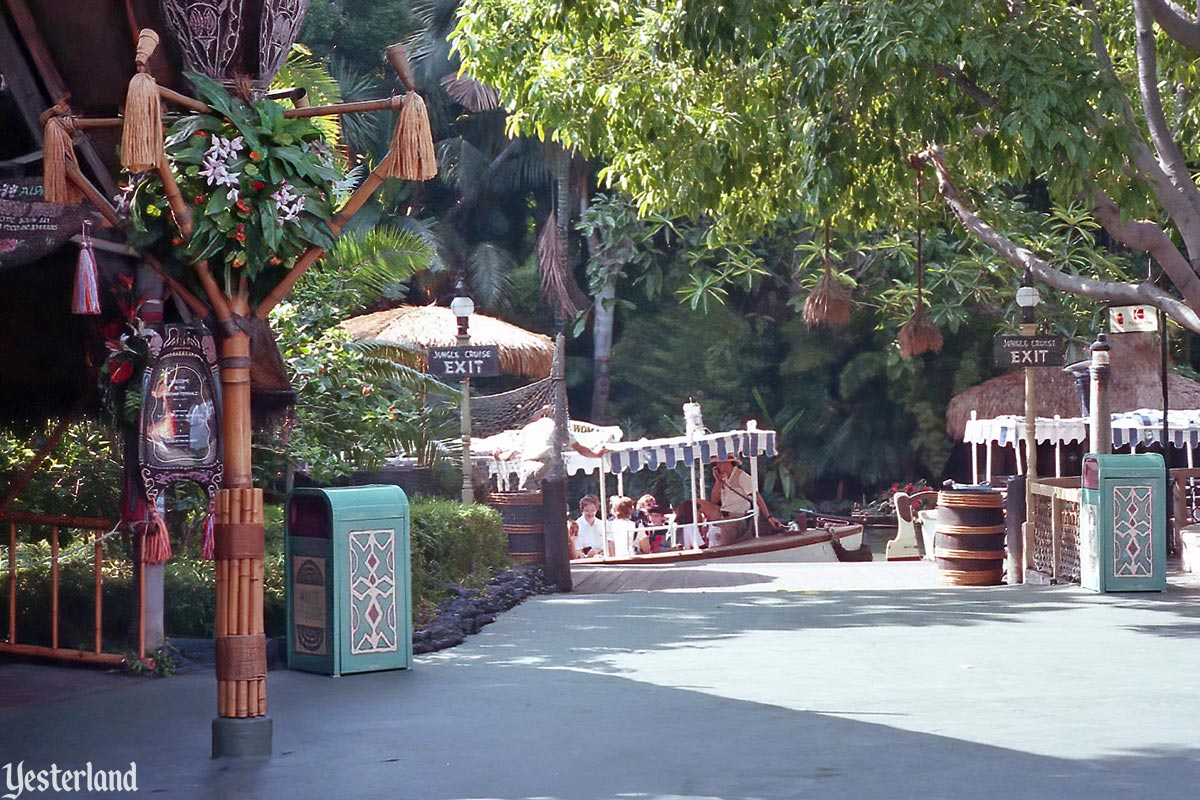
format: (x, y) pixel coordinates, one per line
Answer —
(241, 738)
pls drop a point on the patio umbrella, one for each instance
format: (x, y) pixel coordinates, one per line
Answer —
(419, 327)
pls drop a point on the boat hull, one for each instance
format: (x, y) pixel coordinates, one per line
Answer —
(814, 545)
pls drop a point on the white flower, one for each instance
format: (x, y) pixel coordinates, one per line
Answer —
(223, 149)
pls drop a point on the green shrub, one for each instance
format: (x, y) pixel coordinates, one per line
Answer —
(453, 543)
(450, 543)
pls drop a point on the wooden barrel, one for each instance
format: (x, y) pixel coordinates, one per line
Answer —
(524, 524)
(969, 543)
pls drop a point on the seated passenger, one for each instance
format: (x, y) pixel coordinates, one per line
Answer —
(621, 528)
(652, 531)
(588, 540)
(690, 535)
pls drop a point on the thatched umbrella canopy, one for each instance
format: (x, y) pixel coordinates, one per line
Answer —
(421, 327)
(1135, 383)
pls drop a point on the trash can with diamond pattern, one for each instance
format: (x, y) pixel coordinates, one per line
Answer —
(349, 584)
(1123, 523)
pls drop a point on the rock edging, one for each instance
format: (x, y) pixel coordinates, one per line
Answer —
(470, 609)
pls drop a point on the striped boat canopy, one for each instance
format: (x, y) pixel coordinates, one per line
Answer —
(675, 451)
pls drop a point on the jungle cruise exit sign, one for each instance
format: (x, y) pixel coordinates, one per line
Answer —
(471, 361)
(1029, 351)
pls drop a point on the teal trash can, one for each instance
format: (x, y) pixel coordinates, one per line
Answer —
(349, 584)
(1123, 523)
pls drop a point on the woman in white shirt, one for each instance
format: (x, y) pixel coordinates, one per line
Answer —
(621, 528)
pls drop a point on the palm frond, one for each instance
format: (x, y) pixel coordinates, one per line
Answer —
(473, 95)
(402, 366)
(489, 269)
(303, 71)
(380, 260)
(462, 163)
(527, 172)
(365, 133)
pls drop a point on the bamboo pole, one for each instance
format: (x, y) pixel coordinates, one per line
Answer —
(222, 629)
(382, 104)
(245, 604)
(12, 583)
(63, 654)
(198, 306)
(242, 707)
(179, 207)
(190, 103)
(99, 580)
(54, 587)
(141, 609)
(310, 256)
(94, 195)
(216, 298)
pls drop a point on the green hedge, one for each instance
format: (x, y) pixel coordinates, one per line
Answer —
(450, 543)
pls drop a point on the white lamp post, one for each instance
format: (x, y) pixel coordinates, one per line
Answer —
(463, 307)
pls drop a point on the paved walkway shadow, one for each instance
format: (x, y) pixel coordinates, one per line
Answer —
(737, 695)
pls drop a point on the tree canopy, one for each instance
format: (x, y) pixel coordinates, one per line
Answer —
(751, 111)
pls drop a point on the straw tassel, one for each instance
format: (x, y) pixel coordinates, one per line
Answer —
(156, 542)
(412, 156)
(206, 552)
(85, 298)
(57, 153)
(142, 136)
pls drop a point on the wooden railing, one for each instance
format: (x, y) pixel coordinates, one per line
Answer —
(1054, 551)
(94, 527)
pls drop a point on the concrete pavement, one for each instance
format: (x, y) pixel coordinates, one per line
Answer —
(807, 681)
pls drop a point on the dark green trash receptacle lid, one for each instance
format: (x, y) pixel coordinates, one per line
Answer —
(348, 578)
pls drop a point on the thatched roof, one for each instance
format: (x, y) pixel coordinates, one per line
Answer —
(1135, 383)
(421, 327)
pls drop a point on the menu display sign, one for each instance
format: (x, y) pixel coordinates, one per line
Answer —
(181, 413)
(30, 227)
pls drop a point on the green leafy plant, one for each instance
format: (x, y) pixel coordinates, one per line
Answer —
(261, 187)
(160, 664)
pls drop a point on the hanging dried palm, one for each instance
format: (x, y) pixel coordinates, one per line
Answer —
(829, 303)
(919, 334)
(552, 264)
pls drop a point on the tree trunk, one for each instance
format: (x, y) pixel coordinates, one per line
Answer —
(603, 314)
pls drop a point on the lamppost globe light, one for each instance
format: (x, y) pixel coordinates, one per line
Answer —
(462, 306)
(1028, 297)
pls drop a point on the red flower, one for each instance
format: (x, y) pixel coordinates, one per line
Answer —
(121, 372)
(200, 199)
(239, 236)
(255, 155)
(895, 487)
(241, 204)
(259, 186)
(201, 134)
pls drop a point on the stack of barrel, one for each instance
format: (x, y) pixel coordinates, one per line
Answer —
(524, 524)
(969, 544)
